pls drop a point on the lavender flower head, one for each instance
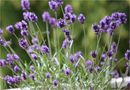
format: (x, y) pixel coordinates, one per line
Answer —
(65, 43)
(81, 18)
(55, 82)
(96, 28)
(32, 68)
(59, 2)
(45, 49)
(67, 71)
(2, 63)
(23, 43)
(53, 5)
(127, 55)
(24, 32)
(89, 65)
(68, 9)
(52, 22)
(32, 76)
(24, 75)
(25, 4)
(94, 54)
(16, 68)
(22, 25)
(48, 75)
(115, 74)
(10, 29)
(61, 23)
(30, 16)
(45, 16)
(34, 56)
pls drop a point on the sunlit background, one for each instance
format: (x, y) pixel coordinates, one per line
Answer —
(94, 10)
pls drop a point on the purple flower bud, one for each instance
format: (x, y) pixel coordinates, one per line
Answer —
(32, 68)
(103, 56)
(10, 57)
(34, 56)
(109, 53)
(55, 82)
(89, 65)
(61, 23)
(114, 47)
(16, 68)
(30, 16)
(127, 55)
(1, 31)
(32, 76)
(72, 58)
(2, 63)
(113, 25)
(59, 2)
(67, 71)
(10, 29)
(81, 18)
(25, 4)
(68, 9)
(97, 68)
(94, 54)
(65, 43)
(3, 42)
(24, 75)
(96, 28)
(115, 74)
(21, 25)
(48, 75)
(77, 55)
(72, 18)
(123, 18)
(45, 49)
(67, 16)
(23, 43)
(34, 40)
(53, 5)
(52, 22)
(24, 32)
(45, 16)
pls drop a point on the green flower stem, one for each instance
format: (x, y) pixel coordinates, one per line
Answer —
(42, 38)
(48, 39)
(85, 39)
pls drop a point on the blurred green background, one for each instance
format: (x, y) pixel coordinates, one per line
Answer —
(94, 10)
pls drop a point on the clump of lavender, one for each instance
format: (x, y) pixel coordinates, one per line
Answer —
(63, 67)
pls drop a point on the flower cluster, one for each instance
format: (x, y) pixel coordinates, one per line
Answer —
(59, 67)
(110, 23)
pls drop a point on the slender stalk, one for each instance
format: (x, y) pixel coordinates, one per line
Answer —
(85, 38)
(62, 9)
(48, 38)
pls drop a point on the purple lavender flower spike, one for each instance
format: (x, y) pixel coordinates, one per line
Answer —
(53, 5)
(24, 32)
(25, 4)
(68, 9)
(32, 76)
(46, 16)
(24, 75)
(55, 82)
(45, 49)
(103, 56)
(52, 22)
(16, 68)
(72, 58)
(127, 55)
(109, 53)
(81, 18)
(23, 43)
(16, 57)
(22, 25)
(48, 75)
(61, 23)
(77, 55)
(9, 57)
(67, 71)
(10, 29)
(30, 16)
(97, 68)
(34, 56)
(123, 18)
(96, 28)
(1, 31)
(94, 54)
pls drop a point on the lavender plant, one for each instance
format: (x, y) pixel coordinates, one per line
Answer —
(60, 67)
